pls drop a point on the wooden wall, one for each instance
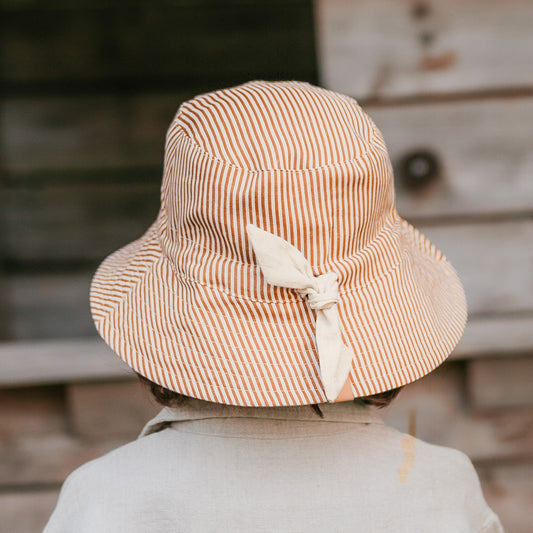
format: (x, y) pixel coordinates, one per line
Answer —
(450, 84)
(88, 91)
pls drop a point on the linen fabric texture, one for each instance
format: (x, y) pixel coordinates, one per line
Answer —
(188, 305)
(211, 468)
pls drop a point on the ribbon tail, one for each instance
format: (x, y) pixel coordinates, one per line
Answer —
(335, 358)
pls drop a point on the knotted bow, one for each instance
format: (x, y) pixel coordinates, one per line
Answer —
(285, 266)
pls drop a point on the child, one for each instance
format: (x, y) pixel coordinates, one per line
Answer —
(277, 276)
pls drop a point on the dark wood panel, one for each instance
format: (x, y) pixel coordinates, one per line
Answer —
(192, 43)
(75, 222)
(83, 133)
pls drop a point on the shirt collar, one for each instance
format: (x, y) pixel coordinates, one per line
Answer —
(196, 410)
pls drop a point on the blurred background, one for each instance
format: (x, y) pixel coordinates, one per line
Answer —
(88, 89)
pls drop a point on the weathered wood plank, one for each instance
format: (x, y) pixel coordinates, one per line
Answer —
(32, 412)
(186, 43)
(496, 336)
(47, 459)
(483, 149)
(506, 382)
(86, 132)
(391, 48)
(494, 262)
(508, 489)
(76, 222)
(91, 417)
(26, 512)
(443, 417)
(30, 363)
(49, 305)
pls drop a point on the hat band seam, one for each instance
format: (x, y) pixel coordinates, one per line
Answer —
(317, 268)
(351, 290)
(330, 267)
(361, 157)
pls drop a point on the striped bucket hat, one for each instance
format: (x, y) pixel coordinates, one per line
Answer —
(278, 271)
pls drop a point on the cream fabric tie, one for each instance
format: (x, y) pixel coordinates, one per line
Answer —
(285, 266)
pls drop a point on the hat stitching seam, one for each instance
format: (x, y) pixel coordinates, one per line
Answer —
(224, 371)
(213, 356)
(165, 371)
(362, 353)
(362, 286)
(279, 301)
(298, 300)
(213, 157)
(320, 266)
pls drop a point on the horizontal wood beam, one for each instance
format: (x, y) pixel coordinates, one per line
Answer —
(46, 362)
(26, 363)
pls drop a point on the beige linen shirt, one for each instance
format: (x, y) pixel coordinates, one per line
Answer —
(211, 468)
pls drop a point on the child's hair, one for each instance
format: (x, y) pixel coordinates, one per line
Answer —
(170, 398)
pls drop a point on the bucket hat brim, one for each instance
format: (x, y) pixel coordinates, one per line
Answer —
(208, 343)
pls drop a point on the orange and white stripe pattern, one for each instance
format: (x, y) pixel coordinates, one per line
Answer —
(187, 306)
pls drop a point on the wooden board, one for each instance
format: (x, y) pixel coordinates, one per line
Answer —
(484, 152)
(387, 48)
(508, 489)
(49, 305)
(494, 261)
(496, 336)
(48, 459)
(27, 512)
(501, 383)
(91, 418)
(62, 133)
(125, 44)
(438, 402)
(30, 363)
(77, 222)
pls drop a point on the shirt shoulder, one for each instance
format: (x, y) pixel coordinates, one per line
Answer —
(451, 478)
(93, 495)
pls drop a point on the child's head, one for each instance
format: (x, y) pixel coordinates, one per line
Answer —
(169, 398)
(278, 271)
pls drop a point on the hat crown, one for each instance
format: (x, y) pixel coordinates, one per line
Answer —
(277, 126)
(303, 163)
